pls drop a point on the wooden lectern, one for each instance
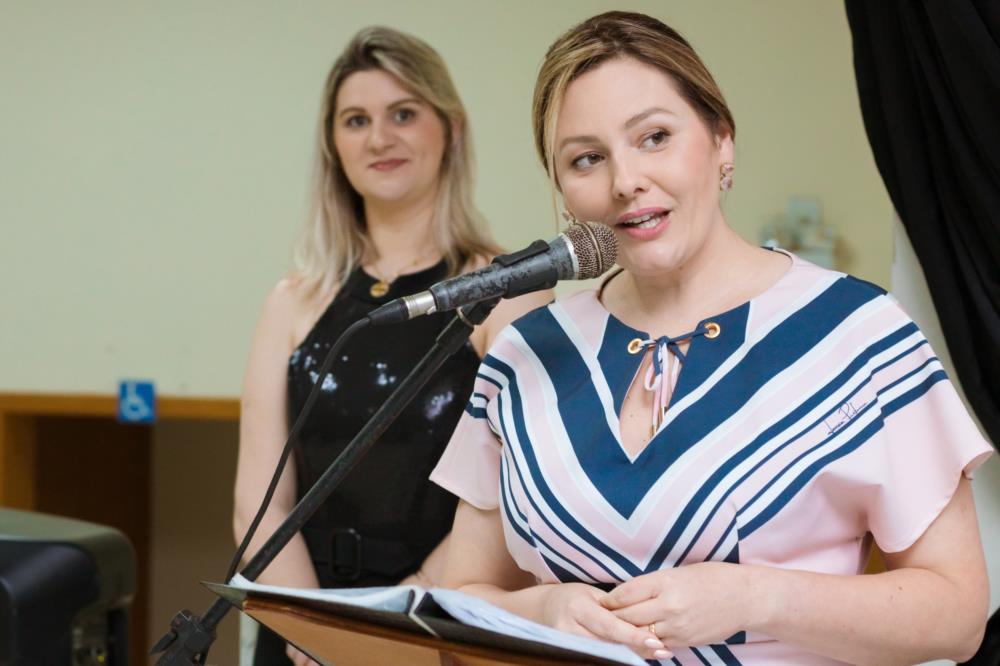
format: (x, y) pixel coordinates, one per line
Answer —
(334, 638)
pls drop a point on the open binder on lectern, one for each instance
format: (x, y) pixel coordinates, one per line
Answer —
(442, 613)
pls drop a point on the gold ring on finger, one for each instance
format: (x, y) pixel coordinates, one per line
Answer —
(652, 630)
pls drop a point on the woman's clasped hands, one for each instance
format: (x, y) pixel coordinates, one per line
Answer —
(693, 605)
(576, 608)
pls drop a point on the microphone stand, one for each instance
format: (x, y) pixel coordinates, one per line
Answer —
(190, 636)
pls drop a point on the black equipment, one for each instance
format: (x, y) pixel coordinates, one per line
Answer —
(65, 590)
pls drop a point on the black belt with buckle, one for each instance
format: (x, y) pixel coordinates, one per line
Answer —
(351, 554)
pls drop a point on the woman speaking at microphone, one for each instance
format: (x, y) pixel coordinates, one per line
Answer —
(690, 459)
(392, 214)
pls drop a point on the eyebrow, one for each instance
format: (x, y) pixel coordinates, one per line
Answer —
(589, 138)
(629, 124)
(405, 100)
(639, 117)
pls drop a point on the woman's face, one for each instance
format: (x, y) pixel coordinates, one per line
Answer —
(390, 143)
(631, 153)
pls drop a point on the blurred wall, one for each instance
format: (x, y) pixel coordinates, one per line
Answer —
(154, 158)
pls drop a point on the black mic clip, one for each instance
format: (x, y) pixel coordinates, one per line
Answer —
(529, 283)
(187, 642)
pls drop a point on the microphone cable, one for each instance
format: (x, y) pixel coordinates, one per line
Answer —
(293, 433)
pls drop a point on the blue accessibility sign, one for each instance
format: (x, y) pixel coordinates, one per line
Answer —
(136, 401)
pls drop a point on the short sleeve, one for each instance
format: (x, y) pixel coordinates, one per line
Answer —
(926, 443)
(470, 464)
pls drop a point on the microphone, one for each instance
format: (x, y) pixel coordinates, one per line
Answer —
(585, 250)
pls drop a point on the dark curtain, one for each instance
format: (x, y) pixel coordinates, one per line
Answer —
(928, 74)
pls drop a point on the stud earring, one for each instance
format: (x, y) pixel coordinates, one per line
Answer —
(726, 177)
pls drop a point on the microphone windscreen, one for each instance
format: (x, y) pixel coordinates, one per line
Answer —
(595, 247)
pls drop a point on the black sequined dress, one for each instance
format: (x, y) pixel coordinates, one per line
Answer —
(386, 517)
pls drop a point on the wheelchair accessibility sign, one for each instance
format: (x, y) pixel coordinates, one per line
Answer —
(136, 402)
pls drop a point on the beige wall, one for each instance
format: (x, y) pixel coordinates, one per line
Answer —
(155, 156)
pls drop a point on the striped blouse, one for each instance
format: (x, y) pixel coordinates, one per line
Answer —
(817, 415)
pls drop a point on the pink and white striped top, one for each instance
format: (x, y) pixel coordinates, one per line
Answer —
(817, 415)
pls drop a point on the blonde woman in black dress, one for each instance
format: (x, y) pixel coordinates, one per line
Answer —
(392, 214)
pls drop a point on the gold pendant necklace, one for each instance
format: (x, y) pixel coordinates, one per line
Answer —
(382, 285)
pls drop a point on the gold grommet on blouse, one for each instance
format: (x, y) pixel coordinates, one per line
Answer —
(712, 330)
(635, 346)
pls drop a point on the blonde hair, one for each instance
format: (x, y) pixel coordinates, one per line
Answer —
(334, 239)
(622, 35)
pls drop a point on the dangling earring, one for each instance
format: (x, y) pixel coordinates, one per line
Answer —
(568, 216)
(726, 177)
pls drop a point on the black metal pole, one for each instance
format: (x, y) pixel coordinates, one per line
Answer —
(190, 636)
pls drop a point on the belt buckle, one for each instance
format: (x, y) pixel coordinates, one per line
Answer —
(345, 554)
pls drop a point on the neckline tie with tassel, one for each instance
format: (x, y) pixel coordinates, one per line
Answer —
(660, 381)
